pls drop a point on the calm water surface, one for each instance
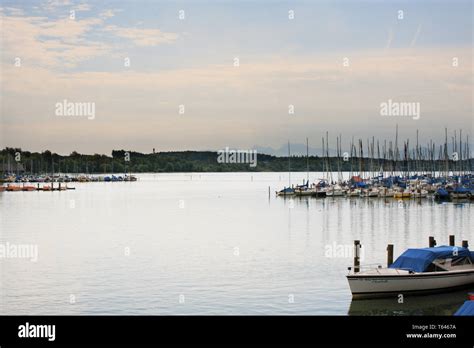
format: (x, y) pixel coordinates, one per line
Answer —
(209, 244)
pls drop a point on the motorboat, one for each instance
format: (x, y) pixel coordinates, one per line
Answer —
(416, 271)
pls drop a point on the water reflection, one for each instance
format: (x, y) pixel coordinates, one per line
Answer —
(436, 304)
(190, 249)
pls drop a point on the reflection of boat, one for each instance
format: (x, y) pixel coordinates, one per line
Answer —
(436, 304)
(417, 271)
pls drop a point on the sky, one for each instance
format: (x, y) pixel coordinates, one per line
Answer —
(235, 68)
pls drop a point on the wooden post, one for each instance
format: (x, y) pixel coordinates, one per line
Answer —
(465, 244)
(451, 241)
(389, 254)
(357, 247)
(432, 242)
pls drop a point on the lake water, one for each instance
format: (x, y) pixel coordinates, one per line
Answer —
(209, 244)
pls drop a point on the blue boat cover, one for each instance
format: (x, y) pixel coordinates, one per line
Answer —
(418, 260)
(466, 309)
(461, 190)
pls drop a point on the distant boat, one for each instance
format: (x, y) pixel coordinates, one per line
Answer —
(13, 188)
(460, 193)
(28, 188)
(370, 192)
(441, 194)
(353, 192)
(416, 271)
(335, 191)
(385, 192)
(305, 191)
(419, 193)
(130, 178)
(402, 194)
(287, 191)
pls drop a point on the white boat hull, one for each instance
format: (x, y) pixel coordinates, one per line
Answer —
(336, 193)
(368, 286)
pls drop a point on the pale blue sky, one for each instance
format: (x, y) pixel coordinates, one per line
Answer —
(190, 62)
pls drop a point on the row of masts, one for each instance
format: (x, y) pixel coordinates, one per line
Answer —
(388, 157)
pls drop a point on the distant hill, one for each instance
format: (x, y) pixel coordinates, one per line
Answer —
(296, 149)
(123, 161)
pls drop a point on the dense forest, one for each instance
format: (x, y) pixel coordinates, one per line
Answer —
(15, 160)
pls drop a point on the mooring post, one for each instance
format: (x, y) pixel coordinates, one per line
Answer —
(465, 244)
(432, 242)
(389, 254)
(357, 247)
(451, 241)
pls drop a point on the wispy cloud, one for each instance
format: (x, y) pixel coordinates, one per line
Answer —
(143, 37)
(44, 42)
(82, 7)
(389, 38)
(52, 5)
(63, 42)
(14, 11)
(415, 37)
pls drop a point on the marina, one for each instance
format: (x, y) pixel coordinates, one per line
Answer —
(236, 171)
(211, 237)
(385, 172)
(397, 187)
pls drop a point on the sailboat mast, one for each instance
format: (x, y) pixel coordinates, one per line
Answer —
(289, 166)
(307, 161)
